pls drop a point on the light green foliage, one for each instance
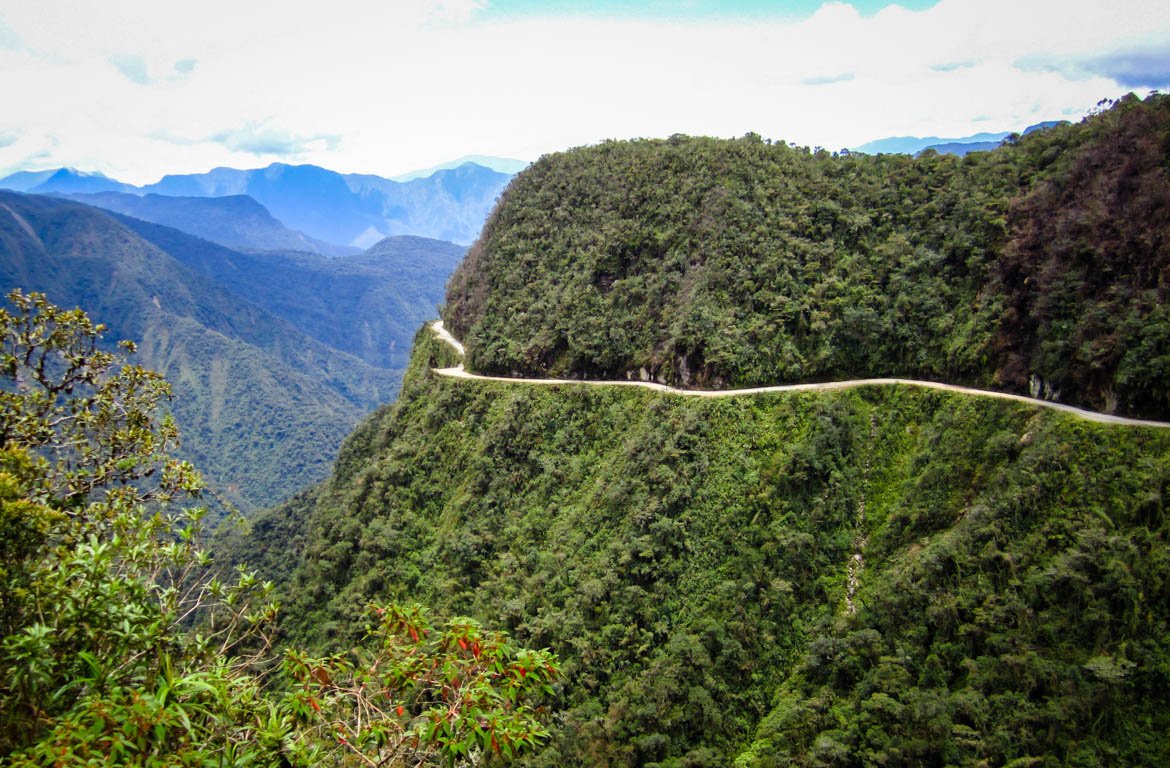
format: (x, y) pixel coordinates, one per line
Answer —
(98, 654)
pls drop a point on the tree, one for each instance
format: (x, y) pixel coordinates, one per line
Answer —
(115, 641)
(118, 642)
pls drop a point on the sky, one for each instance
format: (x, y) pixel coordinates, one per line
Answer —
(140, 88)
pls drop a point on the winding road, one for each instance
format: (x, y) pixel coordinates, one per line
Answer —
(458, 372)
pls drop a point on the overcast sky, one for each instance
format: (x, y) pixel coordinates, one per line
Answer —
(139, 88)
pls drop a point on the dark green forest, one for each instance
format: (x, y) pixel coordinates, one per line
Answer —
(1041, 266)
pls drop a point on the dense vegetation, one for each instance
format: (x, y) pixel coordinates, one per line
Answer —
(691, 562)
(1043, 265)
(119, 644)
(877, 576)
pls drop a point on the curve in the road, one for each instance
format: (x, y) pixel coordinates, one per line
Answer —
(458, 372)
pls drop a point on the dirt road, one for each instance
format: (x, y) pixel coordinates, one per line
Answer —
(459, 373)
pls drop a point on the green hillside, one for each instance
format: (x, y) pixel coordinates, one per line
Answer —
(1044, 265)
(690, 561)
(367, 305)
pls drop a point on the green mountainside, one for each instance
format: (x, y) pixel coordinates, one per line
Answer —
(262, 405)
(703, 262)
(865, 577)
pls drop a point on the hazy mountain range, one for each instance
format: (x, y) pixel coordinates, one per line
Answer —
(912, 145)
(350, 210)
(236, 221)
(273, 356)
(508, 165)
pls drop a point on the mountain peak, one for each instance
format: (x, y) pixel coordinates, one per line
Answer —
(506, 165)
(347, 210)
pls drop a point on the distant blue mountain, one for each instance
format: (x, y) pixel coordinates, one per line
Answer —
(354, 210)
(506, 165)
(62, 181)
(235, 221)
(912, 145)
(23, 181)
(357, 209)
(962, 148)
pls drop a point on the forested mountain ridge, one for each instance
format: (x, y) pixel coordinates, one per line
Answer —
(701, 262)
(367, 305)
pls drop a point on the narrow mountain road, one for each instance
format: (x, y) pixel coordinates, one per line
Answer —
(458, 372)
(445, 335)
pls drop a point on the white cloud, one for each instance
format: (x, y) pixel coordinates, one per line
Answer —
(365, 85)
(131, 66)
(9, 39)
(1140, 65)
(266, 140)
